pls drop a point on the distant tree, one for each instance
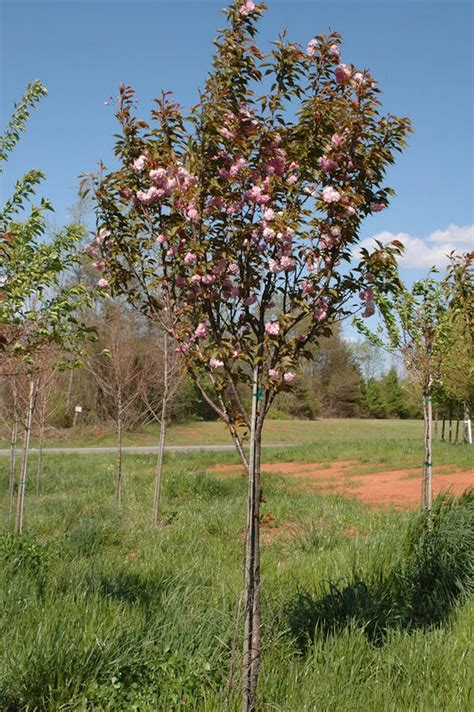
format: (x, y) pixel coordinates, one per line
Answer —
(393, 396)
(373, 404)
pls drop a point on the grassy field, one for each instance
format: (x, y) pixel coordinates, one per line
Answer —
(100, 613)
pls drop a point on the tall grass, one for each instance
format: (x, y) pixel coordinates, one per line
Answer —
(98, 612)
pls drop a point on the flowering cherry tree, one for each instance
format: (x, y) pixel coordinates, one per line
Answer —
(245, 214)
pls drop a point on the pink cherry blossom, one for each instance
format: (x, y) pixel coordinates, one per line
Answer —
(161, 239)
(257, 195)
(201, 331)
(216, 363)
(369, 310)
(358, 78)
(330, 194)
(273, 372)
(149, 196)
(321, 312)
(191, 213)
(335, 52)
(196, 278)
(308, 288)
(311, 48)
(190, 258)
(90, 250)
(377, 207)
(291, 180)
(287, 263)
(103, 283)
(343, 73)
(272, 328)
(208, 279)
(233, 268)
(269, 214)
(337, 139)
(250, 300)
(227, 133)
(289, 376)
(247, 8)
(157, 174)
(139, 163)
(328, 164)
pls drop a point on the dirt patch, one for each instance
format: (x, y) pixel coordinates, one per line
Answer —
(399, 488)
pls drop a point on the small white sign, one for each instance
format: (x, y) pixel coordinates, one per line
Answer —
(78, 408)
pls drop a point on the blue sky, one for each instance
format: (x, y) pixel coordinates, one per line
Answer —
(420, 51)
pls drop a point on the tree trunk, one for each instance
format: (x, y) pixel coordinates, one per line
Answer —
(467, 425)
(20, 502)
(443, 427)
(456, 433)
(118, 476)
(252, 625)
(12, 465)
(436, 422)
(39, 469)
(450, 425)
(426, 484)
(161, 448)
(69, 394)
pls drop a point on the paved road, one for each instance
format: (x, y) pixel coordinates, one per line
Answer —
(139, 450)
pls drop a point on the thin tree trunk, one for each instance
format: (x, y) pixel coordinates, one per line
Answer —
(161, 448)
(118, 477)
(456, 434)
(429, 457)
(444, 427)
(20, 502)
(252, 624)
(69, 393)
(450, 425)
(426, 484)
(12, 465)
(436, 423)
(467, 425)
(39, 469)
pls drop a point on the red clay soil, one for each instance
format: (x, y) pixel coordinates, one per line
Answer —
(399, 488)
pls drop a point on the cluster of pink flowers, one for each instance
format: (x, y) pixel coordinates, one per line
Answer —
(272, 328)
(377, 207)
(103, 283)
(256, 194)
(201, 331)
(289, 376)
(330, 194)
(367, 296)
(247, 8)
(311, 48)
(343, 73)
(216, 363)
(321, 312)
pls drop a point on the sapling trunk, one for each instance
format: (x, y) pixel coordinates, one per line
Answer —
(450, 425)
(456, 434)
(252, 623)
(426, 483)
(161, 447)
(12, 464)
(20, 502)
(118, 475)
(467, 425)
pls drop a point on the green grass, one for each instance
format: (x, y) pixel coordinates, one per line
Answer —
(98, 612)
(297, 432)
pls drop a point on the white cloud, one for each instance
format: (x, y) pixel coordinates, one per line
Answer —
(433, 250)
